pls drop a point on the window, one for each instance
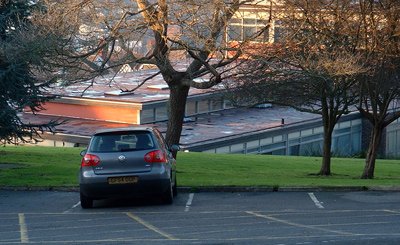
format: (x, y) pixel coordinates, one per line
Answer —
(252, 146)
(279, 32)
(161, 113)
(121, 141)
(237, 148)
(241, 29)
(224, 149)
(147, 115)
(191, 108)
(217, 104)
(203, 106)
(235, 33)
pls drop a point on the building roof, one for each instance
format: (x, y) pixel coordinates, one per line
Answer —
(198, 130)
(110, 88)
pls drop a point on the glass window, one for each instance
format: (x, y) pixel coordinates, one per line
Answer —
(278, 138)
(311, 149)
(356, 122)
(249, 31)
(356, 128)
(235, 33)
(252, 146)
(311, 138)
(224, 149)
(356, 143)
(263, 37)
(266, 141)
(191, 108)
(237, 148)
(217, 104)
(345, 124)
(294, 150)
(249, 21)
(279, 31)
(203, 106)
(209, 151)
(279, 152)
(272, 147)
(121, 141)
(294, 142)
(236, 21)
(262, 22)
(306, 132)
(341, 131)
(343, 147)
(397, 142)
(228, 104)
(161, 113)
(318, 130)
(147, 115)
(241, 29)
(294, 135)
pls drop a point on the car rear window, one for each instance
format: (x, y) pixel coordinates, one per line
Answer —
(121, 141)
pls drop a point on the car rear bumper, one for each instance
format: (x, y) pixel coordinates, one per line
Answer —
(148, 184)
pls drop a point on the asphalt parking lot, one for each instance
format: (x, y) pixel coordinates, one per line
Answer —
(50, 217)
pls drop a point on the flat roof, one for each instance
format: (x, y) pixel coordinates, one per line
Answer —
(197, 129)
(111, 87)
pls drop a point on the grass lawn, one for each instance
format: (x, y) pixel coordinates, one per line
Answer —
(55, 167)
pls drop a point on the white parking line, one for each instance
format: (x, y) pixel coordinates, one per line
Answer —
(22, 228)
(69, 210)
(315, 200)
(189, 202)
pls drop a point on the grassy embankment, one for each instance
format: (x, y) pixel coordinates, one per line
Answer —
(54, 167)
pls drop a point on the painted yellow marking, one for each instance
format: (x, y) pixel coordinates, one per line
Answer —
(22, 228)
(297, 225)
(151, 227)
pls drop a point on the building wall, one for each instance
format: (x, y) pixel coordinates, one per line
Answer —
(301, 139)
(110, 113)
(393, 140)
(195, 105)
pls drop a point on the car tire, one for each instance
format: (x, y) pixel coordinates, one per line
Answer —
(175, 189)
(86, 202)
(168, 196)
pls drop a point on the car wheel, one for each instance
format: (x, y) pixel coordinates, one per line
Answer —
(175, 189)
(168, 196)
(86, 202)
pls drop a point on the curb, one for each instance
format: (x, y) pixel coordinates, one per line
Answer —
(230, 189)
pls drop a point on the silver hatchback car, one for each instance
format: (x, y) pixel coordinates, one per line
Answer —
(123, 162)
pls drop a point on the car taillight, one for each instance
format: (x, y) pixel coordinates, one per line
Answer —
(155, 156)
(90, 160)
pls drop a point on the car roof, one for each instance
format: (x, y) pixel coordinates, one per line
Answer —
(135, 128)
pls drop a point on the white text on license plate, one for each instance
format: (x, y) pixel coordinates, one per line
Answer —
(123, 180)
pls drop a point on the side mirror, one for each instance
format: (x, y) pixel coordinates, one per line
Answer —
(83, 152)
(174, 148)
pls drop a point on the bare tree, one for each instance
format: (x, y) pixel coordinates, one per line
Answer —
(380, 87)
(112, 30)
(314, 68)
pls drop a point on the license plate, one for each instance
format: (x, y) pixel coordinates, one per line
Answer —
(123, 180)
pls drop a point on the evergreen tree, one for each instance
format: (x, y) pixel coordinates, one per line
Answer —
(19, 87)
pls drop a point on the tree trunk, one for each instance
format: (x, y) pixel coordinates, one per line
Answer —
(326, 152)
(176, 107)
(372, 152)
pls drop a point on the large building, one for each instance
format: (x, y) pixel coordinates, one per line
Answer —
(212, 124)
